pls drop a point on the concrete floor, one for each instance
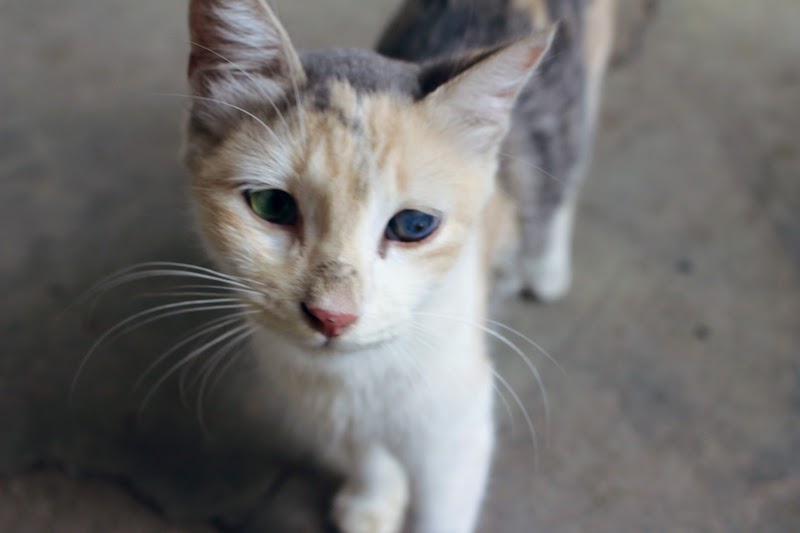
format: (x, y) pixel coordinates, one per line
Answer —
(679, 405)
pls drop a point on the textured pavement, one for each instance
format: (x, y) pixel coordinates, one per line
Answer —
(677, 407)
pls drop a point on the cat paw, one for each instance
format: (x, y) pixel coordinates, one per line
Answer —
(545, 281)
(356, 512)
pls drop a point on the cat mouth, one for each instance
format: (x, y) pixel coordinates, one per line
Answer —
(344, 344)
(306, 337)
(336, 345)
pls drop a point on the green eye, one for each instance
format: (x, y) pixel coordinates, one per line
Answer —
(273, 205)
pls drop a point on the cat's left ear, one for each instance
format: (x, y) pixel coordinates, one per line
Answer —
(475, 106)
(236, 44)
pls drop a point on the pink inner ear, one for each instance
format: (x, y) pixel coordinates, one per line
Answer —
(230, 35)
(529, 61)
(534, 55)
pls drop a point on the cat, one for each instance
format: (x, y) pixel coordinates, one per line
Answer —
(363, 200)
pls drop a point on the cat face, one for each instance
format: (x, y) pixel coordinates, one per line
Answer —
(344, 185)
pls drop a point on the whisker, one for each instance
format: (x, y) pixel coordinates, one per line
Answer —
(177, 309)
(534, 371)
(525, 415)
(208, 327)
(249, 77)
(189, 303)
(182, 383)
(298, 102)
(207, 287)
(219, 276)
(161, 269)
(230, 362)
(526, 162)
(503, 400)
(215, 360)
(199, 291)
(223, 103)
(184, 373)
(112, 283)
(529, 341)
(188, 358)
(506, 405)
(181, 294)
(531, 367)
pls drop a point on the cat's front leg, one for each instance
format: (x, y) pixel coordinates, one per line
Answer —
(448, 492)
(374, 497)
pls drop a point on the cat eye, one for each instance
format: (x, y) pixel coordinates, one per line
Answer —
(411, 225)
(273, 205)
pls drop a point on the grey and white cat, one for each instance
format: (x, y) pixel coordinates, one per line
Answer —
(361, 201)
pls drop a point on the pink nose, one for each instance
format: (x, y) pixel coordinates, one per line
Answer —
(329, 323)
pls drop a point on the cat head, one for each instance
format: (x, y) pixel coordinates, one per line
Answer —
(343, 184)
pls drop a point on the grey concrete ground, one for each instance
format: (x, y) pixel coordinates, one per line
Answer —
(678, 408)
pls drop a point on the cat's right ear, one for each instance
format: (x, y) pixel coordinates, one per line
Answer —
(240, 50)
(475, 105)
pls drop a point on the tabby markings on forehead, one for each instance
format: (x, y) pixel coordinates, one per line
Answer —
(365, 71)
(351, 123)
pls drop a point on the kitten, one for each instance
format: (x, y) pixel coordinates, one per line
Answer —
(358, 193)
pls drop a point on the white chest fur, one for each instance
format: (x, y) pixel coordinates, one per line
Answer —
(410, 419)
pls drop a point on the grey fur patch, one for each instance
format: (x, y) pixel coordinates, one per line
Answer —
(364, 70)
(442, 29)
(551, 110)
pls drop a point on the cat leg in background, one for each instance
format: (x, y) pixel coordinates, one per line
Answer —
(542, 171)
(547, 273)
(375, 496)
(549, 149)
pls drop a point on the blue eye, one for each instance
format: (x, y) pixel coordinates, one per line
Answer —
(411, 226)
(273, 205)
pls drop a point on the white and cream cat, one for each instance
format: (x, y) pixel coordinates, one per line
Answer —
(357, 193)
